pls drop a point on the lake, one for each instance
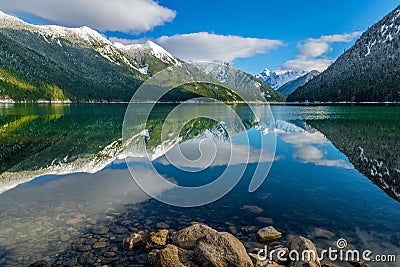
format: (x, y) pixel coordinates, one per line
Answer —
(66, 178)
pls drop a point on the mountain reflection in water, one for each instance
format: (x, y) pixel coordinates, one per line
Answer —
(312, 185)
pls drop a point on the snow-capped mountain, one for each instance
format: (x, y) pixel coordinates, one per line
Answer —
(80, 64)
(291, 86)
(276, 79)
(140, 54)
(241, 81)
(367, 72)
(152, 48)
(130, 55)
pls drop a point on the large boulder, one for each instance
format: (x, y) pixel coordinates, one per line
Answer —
(257, 261)
(357, 263)
(275, 257)
(274, 264)
(171, 256)
(302, 245)
(187, 237)
(221, 250)
(280, 255)
(268, 234)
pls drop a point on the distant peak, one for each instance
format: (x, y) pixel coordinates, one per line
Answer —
(267, 72)
(89, 30)
(156, 48)
(279, 77)
(147, 45)
(92, 33)
(152, 44)
(151, 47)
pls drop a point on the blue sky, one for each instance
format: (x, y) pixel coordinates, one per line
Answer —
(283, 34)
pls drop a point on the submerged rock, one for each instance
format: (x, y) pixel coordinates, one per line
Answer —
(64, 237)
(221, 249)
(301, 244)
(248, 229)
(319, 232)
(119, 230)
(254, 209)
(233, 229)
(187, 237)
(100, 230)
(268, 234)
(265, 220)
(74, 221)
(84, 248)
(100, 244)
(162, 225)
(40, 263)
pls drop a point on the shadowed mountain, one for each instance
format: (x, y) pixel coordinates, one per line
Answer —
(372, 147)
(367, 72)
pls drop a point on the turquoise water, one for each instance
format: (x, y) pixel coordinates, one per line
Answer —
(335, 174)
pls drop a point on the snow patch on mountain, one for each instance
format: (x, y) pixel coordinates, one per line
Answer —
(219, 70)
(387, 33)
(84, 34)
(151, 47)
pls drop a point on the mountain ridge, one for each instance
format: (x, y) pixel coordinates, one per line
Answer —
(55, 63)
(85, 36)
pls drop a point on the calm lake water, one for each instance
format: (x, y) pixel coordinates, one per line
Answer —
(335, 174)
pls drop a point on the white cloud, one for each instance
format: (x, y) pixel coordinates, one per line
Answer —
(130, 16)
(307, 64)
(308, 146)
(312, 52)
(203, 153)
(317, 47)
(203, 46)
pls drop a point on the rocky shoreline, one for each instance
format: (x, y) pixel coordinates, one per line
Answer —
(196, 245)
